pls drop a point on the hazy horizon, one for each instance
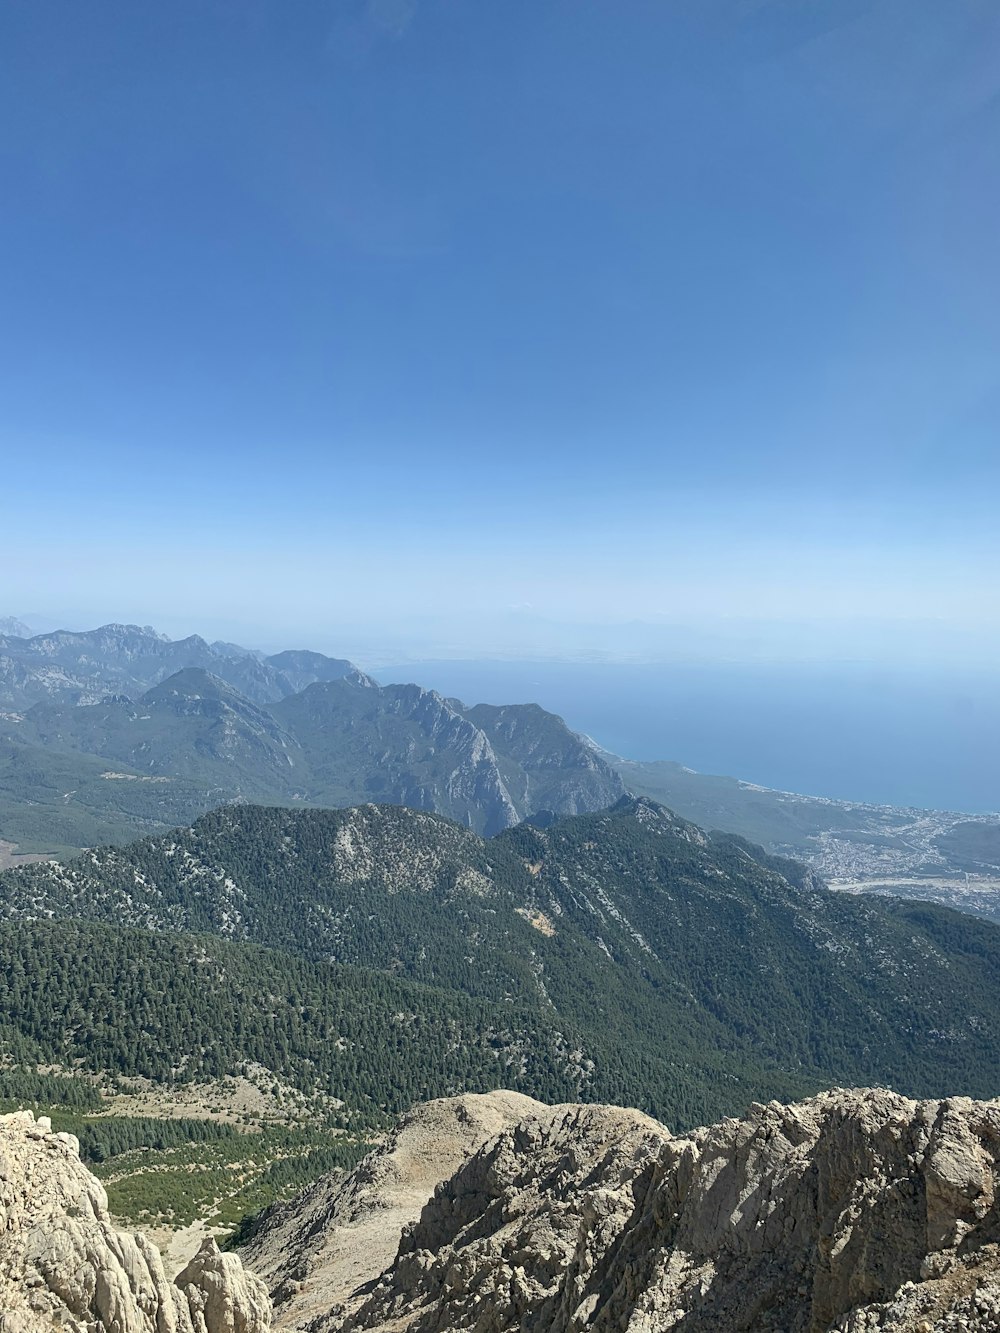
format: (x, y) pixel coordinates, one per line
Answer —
(405, 310)
(583, 334)
(520, 635)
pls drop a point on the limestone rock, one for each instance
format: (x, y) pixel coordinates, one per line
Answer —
(63, 1263)
(340, 1233)
(849, 1212)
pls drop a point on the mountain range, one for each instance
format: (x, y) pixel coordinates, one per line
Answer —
(82, 667)
(115, 732)
(112, 733)
(622, 956)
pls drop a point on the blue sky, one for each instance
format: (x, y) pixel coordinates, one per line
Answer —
(505, 324)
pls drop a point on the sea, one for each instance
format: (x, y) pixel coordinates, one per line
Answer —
(901, 736)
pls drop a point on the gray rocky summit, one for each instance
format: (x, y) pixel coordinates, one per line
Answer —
(63, 1264)
(849, 1212)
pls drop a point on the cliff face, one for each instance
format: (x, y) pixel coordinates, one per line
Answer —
(62, 1264)
(545, 765)
(849, 1212)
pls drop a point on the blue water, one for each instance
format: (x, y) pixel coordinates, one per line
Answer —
(902, 737)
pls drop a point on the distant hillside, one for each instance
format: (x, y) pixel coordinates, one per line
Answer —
(911, 853)
(191, 726)
(673, 971)
(81, 667)
(111, 733)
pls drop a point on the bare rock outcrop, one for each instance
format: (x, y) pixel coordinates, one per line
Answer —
(63, 1264)
(318, 1252)
(851, 1212)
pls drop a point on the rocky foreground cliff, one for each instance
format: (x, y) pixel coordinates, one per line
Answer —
(63, 1264)
(851, 1211)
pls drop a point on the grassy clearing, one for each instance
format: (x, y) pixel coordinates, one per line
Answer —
(222, 1183)
(170, 1170)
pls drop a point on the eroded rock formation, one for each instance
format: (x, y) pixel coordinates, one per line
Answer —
(849, 1212)
(318, 1251)
(63, 1264)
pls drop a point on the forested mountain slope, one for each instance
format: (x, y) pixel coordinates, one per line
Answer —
(119, 1001)
(680, 971)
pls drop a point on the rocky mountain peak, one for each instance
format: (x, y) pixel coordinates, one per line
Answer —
(302, 667)
(656, 817)
(852, 1211)
(190, 682)
(360, 679)
(193, 689)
